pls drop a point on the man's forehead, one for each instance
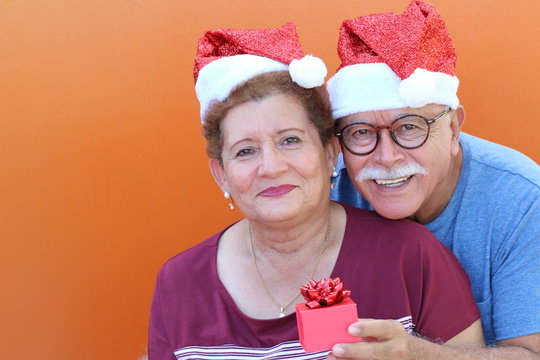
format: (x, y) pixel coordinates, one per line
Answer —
(428, 110)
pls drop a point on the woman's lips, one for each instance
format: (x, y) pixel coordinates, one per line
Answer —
(277, 190)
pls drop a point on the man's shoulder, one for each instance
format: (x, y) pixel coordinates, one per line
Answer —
(490, 157)
(404, 232)
(344, 190)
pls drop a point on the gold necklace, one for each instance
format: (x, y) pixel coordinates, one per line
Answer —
(261, 281)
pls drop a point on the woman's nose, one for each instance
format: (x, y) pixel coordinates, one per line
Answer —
(273, 161)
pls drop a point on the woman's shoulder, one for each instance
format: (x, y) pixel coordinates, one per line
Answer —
(192, 260)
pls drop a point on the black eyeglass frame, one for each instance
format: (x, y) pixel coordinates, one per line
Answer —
(429, 122)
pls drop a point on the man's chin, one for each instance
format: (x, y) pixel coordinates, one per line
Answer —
(393, 210)
(392, 215)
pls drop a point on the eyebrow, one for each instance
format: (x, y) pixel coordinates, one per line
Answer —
(291, 129)
(279, 133)
(399, 116)
(402, 115)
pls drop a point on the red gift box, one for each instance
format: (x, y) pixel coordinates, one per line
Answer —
(321, 328)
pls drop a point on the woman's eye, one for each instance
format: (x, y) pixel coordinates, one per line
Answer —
(244, 152)
(291, 140)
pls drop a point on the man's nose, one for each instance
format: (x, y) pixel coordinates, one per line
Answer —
(387, 153)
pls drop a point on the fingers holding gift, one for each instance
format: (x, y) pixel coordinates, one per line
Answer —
(380, 339)
(368, 351)
(376, 328)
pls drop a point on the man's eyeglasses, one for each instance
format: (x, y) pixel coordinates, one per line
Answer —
(408, 131)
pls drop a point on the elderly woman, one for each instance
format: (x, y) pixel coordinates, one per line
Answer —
(270, 140)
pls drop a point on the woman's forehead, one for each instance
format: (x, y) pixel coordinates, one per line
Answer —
(272, 114)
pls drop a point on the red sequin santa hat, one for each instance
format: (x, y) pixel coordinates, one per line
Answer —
(392, 61)
(226, 58)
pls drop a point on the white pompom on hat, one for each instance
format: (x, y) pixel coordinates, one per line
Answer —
(308, 72)
(391, 61)
(227, 58)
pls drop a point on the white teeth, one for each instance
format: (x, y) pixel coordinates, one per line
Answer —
(392, 182)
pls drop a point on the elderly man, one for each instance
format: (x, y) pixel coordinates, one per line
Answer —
(404, 155)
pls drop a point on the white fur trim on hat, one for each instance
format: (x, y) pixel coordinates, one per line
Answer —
(427, 87)
(308, 72)
(368, 87)
(217, 79)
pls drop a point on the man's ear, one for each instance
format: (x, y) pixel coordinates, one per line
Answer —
(218, 174)
(456, 124)
(460, 114)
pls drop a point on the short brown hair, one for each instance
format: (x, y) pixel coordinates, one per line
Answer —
(315, 101)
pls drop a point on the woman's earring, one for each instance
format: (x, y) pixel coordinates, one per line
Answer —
(334, 172)
(227, 195)
(333, 176)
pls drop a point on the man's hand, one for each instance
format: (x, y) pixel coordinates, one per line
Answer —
(388, 340)
(381, 339)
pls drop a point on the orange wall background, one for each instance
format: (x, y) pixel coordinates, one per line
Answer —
(103, 171)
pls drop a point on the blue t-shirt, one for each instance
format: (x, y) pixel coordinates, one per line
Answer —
(492, 224)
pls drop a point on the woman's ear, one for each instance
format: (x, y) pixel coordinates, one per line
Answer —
(218, 174)
(332, 151)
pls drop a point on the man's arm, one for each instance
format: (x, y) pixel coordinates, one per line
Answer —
(388, 340)
(530, 342)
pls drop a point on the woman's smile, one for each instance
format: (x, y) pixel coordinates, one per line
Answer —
(277, 190)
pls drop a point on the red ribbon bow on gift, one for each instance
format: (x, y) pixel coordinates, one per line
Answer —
(326, 292)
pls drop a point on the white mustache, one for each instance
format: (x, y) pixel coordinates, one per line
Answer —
(372, 173)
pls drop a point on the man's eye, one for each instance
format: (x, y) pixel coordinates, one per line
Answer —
(408, 127)
(361, 132)
(291, 140)
(358, 133)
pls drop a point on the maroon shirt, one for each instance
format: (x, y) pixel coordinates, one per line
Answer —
(395, 269)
